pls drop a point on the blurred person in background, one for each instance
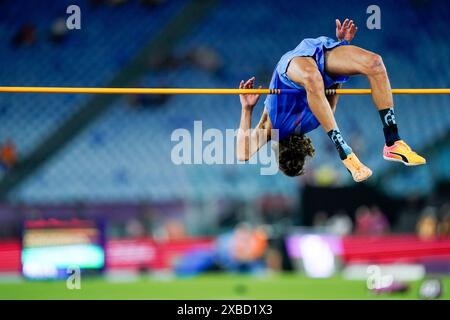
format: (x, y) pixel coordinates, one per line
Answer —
(362, 217)
(242, 249)
(8, 155)
(427, 224)
(379, 222)
(340, 224)
(175, 230)
(249, 244)
(371, 221)
(444, 224)
(205, 59)
(25, 36)
(135, 228)
(170, 230)
(58, 31)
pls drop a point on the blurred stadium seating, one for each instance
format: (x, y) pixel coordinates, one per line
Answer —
(86, 58)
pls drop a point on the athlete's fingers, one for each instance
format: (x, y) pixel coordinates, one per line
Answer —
(338, 24)
(249, 83)
(344, 25)
(250, 80)
(241, 84)
(350, 24)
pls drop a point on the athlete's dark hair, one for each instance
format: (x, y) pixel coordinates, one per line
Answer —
(292, 154)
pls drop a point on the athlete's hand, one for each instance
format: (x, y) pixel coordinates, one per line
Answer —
(248, 101)
(346, 31)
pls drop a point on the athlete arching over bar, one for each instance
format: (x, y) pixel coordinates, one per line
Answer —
(313, 66)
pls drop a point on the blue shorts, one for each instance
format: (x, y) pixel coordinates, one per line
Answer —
(291, 113)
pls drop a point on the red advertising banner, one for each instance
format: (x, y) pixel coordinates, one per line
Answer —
(394, 248)
(145, 253)
(10, 256)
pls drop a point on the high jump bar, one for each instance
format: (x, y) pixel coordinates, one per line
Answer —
(95, 90)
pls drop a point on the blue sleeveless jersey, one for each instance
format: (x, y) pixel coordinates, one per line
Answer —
(290, 113)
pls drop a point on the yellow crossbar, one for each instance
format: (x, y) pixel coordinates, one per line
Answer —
(92, 90)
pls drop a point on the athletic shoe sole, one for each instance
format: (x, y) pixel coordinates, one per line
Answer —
(401, 161)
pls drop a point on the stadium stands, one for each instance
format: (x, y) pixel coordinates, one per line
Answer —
(86, 58)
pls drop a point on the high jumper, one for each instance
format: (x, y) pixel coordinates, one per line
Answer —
(315, 67)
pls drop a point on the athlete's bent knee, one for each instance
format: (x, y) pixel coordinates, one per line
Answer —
(375, 64)
(312, 80)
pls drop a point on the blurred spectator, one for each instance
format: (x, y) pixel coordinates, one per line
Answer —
(427, 224)
(362, 217)
(371, 221)
(379, 222)
(249, 244)
(8, 155)
(135, 229)
(444, 224)
(174, 230)
(340, 224)
(242, 249)
(26, 36)
(58, 31)
(206, 59)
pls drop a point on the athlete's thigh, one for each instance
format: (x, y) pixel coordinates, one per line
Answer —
(301, 69)
(347, 60)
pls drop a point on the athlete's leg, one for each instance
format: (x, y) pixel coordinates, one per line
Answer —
(351, 60)
(304, 71)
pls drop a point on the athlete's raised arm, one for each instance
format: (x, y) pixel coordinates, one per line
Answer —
(250, 141)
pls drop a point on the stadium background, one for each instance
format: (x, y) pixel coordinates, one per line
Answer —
(222, 231)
